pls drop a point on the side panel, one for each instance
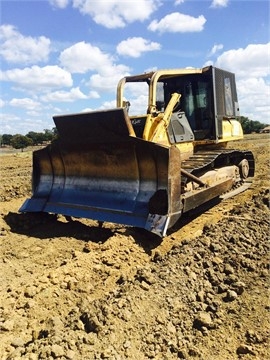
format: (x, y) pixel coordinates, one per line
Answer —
(225, 97)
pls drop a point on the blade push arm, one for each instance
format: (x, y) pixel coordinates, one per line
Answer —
(155, 127)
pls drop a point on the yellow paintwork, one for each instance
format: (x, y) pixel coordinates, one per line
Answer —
(231, 130)
(155, 127)
(156, 123)
(186, 149)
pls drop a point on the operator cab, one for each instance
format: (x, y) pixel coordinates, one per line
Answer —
(196, 102)
(200, 110)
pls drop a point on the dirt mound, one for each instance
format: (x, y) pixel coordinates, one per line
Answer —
(15, 175)
(75, 290)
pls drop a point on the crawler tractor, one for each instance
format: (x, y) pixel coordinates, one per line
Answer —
(145, 168)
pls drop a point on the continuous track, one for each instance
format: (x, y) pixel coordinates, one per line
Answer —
(203, 161)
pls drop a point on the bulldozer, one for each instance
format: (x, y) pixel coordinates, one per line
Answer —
(145, 167)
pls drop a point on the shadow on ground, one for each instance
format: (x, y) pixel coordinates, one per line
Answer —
(44, 226)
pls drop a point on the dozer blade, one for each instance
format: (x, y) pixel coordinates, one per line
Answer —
(96, 170)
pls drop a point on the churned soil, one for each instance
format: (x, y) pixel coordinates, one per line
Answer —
(76, 290)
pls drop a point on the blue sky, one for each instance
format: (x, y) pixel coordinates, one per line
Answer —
(66, 56)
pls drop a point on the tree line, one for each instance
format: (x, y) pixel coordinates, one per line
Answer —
(33, 138)
(251, 126)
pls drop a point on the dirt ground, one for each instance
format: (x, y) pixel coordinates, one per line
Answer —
(74, 290)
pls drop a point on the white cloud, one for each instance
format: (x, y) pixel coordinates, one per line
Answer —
(136, 90)
(105, 106)
(150, 69)
(108, 105)
(35, 113)
(16, 48)
(61, 4)
(38, 78)
(251, 67)
(138, 105)
(2, 103)
(103, 83)
(64, 96)
(108, 77)
(25, 103)
(219, 3)
(253, 96)
(106, 72)
(87, 110)
(93, 95)
(135, 46)
(115, 13)
(83, 57)
(7, 122)
(253, 61)
(177, 22)
(215, 49)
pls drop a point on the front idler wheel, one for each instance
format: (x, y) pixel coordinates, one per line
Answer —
(244, 168)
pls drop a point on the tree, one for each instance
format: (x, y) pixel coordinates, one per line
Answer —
(6, 139)
(41, 137)
(250, 126)
(50, 134)
(20, 141)
(36, 137)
